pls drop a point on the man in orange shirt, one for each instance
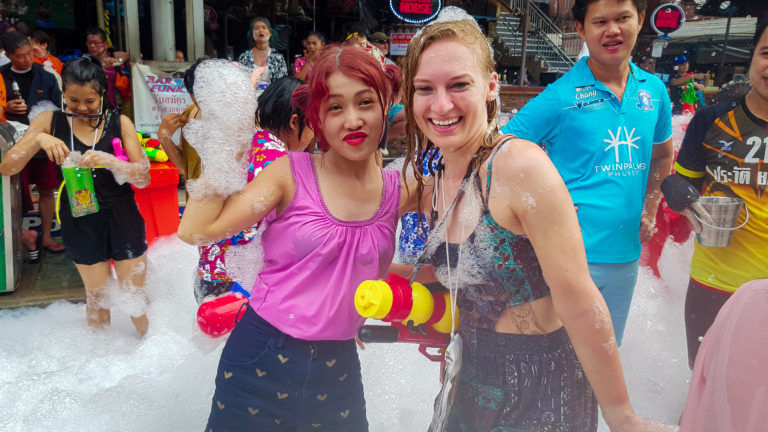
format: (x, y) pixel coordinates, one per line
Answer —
(2, 98)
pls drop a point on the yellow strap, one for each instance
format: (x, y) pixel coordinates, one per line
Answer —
(58, 202)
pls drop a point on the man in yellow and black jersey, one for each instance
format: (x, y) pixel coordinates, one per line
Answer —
(725, 153)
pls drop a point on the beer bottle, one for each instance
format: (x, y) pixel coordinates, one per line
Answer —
(16, 91)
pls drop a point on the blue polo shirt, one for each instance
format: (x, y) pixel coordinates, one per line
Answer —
(602, 149)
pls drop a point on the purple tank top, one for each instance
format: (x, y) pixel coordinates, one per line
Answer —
(313, 262)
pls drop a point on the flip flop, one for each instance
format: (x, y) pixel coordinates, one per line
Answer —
(54, 248)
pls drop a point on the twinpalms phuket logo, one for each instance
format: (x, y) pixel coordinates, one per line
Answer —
(622, 148)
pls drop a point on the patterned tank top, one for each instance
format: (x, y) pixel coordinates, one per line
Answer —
(495, 268)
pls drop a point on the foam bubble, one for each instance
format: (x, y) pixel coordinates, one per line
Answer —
(223, 133)
(40, 107)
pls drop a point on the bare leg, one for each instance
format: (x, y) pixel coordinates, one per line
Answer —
(95, 279)
(131, 273)
(47, 209)
(29, 238)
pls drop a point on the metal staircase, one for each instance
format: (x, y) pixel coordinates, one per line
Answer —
(545, 39)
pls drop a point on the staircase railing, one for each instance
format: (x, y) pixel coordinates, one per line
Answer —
(550, 33)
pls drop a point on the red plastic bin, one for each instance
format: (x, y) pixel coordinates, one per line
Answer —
(159, 202)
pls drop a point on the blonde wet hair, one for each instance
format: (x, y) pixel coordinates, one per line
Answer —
(418, 147)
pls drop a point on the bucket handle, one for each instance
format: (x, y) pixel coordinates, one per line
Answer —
(746, 219)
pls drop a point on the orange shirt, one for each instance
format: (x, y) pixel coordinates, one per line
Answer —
(2, 98)
(51, 61)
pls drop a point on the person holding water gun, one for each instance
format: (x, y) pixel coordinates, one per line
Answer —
(283, 128)
(330, 224)
(535, 349)
(680, 91)
(115, 231)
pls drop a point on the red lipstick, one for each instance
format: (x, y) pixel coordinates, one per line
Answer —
(355, 138)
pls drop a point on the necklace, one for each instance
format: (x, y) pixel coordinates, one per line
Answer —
(72, 137)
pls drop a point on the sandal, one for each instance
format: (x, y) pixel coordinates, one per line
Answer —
(54, 248)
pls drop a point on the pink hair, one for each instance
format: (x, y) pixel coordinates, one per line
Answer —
(354, 62)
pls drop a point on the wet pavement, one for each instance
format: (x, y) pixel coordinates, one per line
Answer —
(53, 278)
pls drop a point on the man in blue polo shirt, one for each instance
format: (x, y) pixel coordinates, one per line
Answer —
(606, 125)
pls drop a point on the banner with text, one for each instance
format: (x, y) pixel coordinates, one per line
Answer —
(155, 94)
(399, 44)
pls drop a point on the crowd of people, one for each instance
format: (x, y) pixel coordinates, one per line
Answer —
(534, 227)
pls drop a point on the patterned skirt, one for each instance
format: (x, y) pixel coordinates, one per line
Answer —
(514, 382)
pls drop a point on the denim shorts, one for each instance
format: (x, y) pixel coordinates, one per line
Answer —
(270, 381)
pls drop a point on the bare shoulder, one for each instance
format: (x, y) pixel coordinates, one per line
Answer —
(520, 160)
(42, 122)
(125, 122)
(275, 181)
(278, 170)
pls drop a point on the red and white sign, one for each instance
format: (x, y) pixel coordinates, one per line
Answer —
(667, 19)
(399, 43)
(155, 94)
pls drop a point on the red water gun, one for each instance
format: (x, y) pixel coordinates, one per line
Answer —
(218, 316)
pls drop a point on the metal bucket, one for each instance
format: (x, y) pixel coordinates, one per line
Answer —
(725, 213)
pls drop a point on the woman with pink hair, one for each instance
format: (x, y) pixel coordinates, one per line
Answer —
(291, 363)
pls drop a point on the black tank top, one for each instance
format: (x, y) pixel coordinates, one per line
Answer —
(108, 191)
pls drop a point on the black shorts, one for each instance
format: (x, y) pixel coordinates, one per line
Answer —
(701, 308)
(117, 232)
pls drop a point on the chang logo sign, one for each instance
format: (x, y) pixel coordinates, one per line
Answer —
(622, 149)
(644, 101)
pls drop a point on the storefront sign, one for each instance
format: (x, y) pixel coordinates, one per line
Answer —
(667, 18)
(399, 43)
(156, 94)
(415, 11)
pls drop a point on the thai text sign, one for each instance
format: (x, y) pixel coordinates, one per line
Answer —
(156, 94)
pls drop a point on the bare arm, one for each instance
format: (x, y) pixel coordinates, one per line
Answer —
(135, 170)
(302, 74)
(425, 275)
(117, 58)
(213, 217)
(539, 201)
(397, 128)
(660, 167)
(36, 138)
(699, 76)
(168, 126)
(678, 81)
